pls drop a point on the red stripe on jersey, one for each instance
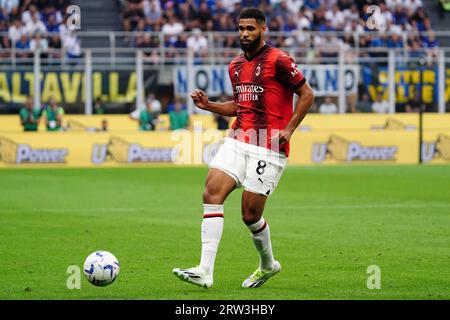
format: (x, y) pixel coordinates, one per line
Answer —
(213, 215)
(261, 229)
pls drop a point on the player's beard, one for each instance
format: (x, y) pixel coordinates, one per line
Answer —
(252, 45)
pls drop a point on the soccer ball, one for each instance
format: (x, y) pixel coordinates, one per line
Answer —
(101, 268)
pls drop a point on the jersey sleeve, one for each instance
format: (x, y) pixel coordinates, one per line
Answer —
(288, 73)
(230, 70)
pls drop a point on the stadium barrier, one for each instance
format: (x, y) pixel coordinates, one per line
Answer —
(323, 139)
(399, 74)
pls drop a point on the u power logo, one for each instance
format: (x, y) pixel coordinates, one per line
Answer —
(16, 153)
(437, 149)
(342, 150)
(394, 124)
(119, 150)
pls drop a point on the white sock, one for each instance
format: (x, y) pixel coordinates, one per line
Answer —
(261, 238)
(212, 226)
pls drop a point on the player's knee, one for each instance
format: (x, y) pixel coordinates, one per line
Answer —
(250, 216)
(212, 195)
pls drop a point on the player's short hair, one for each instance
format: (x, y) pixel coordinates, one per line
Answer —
(253, 13)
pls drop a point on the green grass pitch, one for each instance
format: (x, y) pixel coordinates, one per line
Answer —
(328, 225)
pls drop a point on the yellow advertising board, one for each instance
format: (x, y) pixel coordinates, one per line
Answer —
(80, 149)
(11, 123)
(351, 122)
(74, 149)
(313, 122)
(436, 146)
(322, 139)
(334, 147)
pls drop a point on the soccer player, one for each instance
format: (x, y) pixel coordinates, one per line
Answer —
(255, 153)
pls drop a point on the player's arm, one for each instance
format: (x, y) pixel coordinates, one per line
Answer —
(306, 98)
(228, 108)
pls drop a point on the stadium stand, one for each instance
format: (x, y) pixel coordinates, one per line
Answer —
(30, 24)
(315, 29)
(312, 31)
(296, 18)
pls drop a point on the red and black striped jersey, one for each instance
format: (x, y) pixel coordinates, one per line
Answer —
(263, 89)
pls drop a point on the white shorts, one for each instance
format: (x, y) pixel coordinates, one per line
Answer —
(255, 168)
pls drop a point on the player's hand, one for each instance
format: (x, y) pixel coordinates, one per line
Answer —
(282, 136)
(200, 98)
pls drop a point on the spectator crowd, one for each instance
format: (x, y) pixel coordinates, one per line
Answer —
(27, 25)
(180, 24)
(290, 21)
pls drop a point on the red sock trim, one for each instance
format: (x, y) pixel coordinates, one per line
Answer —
(213, 215)
(261, 229)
